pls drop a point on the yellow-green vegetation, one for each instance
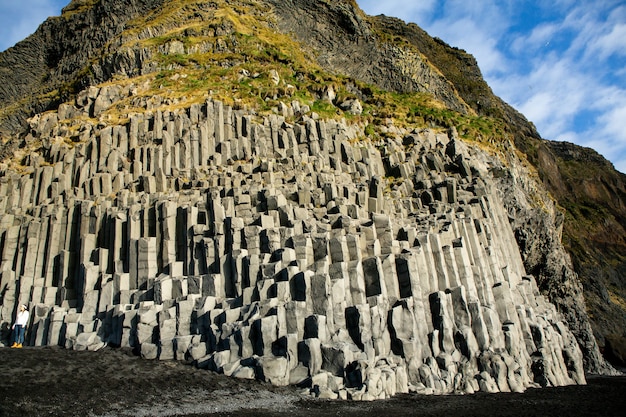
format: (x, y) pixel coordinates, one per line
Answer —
(199, 18)
(617, 300)
(588, 221)
(238, 51)
(423, 109)
(43, 97)
(584, 214)
(78, 6)
(350, 2)
(229, 51)
(583, 209)
(71, 129)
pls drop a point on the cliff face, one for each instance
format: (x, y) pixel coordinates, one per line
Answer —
(345, 41)
(593, 195)
(588, 189)
(348, 210)
(51, 65)
(538, 230)
(295, 252)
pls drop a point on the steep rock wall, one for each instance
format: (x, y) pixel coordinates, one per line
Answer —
(285, 248)
(344, 41)
(357, 50)
(40, 72)
(353, 46)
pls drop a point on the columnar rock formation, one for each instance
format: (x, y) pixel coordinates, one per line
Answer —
(286, 248)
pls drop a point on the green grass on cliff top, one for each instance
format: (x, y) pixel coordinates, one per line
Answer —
(240, 49)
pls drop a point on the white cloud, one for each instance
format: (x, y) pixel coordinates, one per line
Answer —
(556, 73)
(611, 43)
(562, 94)
(598, 32)
(609, 133)
(614, 114)
(492, 18)
(539, 37)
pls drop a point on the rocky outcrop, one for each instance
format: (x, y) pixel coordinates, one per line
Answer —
(372, 58)
(49, 66)
(594, 194)
(344, 41)
(587, 188)
(537, 224)
(286, 248)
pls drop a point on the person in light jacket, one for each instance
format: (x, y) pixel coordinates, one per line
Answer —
(19, 327)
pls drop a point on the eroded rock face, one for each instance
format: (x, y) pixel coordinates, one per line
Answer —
(354, 48)
(286, 248)
(55, 55)
(89, 45)
(351, 46)
(537, 224)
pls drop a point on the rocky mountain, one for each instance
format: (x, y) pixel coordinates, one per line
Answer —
(297, 192)
(592, 194)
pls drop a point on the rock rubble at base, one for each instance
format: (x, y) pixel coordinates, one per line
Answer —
(284, 248)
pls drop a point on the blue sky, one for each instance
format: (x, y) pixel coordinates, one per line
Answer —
(561, 63)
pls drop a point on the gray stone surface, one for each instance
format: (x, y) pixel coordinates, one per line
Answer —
(279, 251)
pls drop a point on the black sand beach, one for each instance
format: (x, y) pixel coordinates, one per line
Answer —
(113, 382)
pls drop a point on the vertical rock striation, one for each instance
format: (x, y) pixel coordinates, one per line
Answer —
(285, 248)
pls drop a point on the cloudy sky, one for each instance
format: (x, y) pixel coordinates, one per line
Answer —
(561, 63)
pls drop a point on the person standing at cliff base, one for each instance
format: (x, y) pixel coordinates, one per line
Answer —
(19, 327)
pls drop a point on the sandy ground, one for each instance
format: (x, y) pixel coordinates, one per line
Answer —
(57, 382)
